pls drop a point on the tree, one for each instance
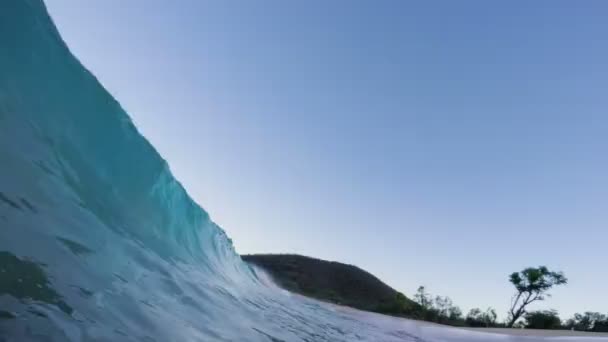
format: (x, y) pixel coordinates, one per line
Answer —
(478, 318)
(397, 305)
(400, 302)
(601, 326)
(474, 318)
(490, 317)
(443, 305)
(455, 314)
(588, 321)
(547, 319)
(532, 284)
(446, 311)
(423, 298)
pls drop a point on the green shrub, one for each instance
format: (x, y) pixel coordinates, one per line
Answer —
(547, 319)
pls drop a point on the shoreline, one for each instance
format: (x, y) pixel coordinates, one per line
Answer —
(536, 332)
(495, 331)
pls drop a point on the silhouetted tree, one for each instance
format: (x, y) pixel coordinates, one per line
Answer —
(531, 284)
(547, 319)
(588, 321)
(446, 311)
(443, 305)
(601, 326)
(423, 298)
(490, 317)
(438, 309)
(478, 318)
(455, 314)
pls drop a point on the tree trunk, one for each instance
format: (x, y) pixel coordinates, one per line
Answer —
(514, 317)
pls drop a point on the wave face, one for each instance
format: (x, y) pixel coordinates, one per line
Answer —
(99, 242)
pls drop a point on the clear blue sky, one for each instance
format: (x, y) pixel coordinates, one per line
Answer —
(438, 143)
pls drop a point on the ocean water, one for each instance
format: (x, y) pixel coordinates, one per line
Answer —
(99, 242)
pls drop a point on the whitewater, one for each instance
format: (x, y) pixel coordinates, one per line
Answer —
(99, 242)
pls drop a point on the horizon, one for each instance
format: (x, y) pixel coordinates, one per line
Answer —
(329, 139)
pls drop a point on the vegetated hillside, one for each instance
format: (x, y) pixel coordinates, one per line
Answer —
(332, 281)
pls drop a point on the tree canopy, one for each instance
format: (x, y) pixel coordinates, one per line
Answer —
(478, 318)
(547, 319)
(588, 321)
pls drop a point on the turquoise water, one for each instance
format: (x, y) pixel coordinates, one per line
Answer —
(99, 242)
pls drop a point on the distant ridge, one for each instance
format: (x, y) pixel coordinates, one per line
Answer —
(331, 281)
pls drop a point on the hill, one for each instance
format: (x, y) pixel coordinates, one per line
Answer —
(332, 281)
